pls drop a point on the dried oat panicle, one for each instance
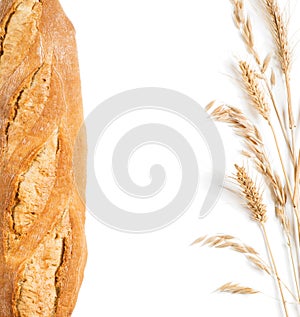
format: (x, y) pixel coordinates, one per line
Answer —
(236, 289)
(251, 194)
(238, 13)
(255, 148)
(223, 241)
(258, 82)
(243, 23)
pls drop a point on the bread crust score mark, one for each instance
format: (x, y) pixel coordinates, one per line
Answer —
(42, 246)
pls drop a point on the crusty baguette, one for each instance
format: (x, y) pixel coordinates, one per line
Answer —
(42, 210)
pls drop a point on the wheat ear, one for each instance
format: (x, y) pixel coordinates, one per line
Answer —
(251, 195)
(243, 24)
(280, 35)
(258, 210)
(244, 128)
(253, 89)
(256, 94)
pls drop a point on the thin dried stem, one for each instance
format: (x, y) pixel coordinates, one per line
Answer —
(297, 179)
(293, 264)
(281, 161)
(274, 268)
(278, 114)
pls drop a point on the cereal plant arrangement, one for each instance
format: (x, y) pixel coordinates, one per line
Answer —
(261, 76)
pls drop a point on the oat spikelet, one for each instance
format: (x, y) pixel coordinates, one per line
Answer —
(253, 88)
(223, 241)
(236, 289)
(273, 78)
(266, 62)
(280, 34)
(244, 25)
(238, 13)
(244, 128)
(210, 105)
(251, 194)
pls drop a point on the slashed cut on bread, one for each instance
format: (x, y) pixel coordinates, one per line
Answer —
(42, 209)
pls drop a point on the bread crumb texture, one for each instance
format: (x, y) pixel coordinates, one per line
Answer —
(37, 291)
(27, 105)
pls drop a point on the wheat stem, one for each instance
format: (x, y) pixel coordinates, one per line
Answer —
(291, 115)
(293, 266)
(283, 130)
(289, 100)
(281, 159)
(295, 207)
(274, 267)
(288, 290)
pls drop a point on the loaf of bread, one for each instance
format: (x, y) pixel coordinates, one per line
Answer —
(42, 208)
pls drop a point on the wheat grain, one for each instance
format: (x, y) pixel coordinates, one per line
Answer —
(210, 105)
(273, 78)
(266, 62)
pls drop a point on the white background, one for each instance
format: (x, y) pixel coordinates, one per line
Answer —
(187, 46)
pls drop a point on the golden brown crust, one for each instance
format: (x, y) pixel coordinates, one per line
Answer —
(42, 246)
